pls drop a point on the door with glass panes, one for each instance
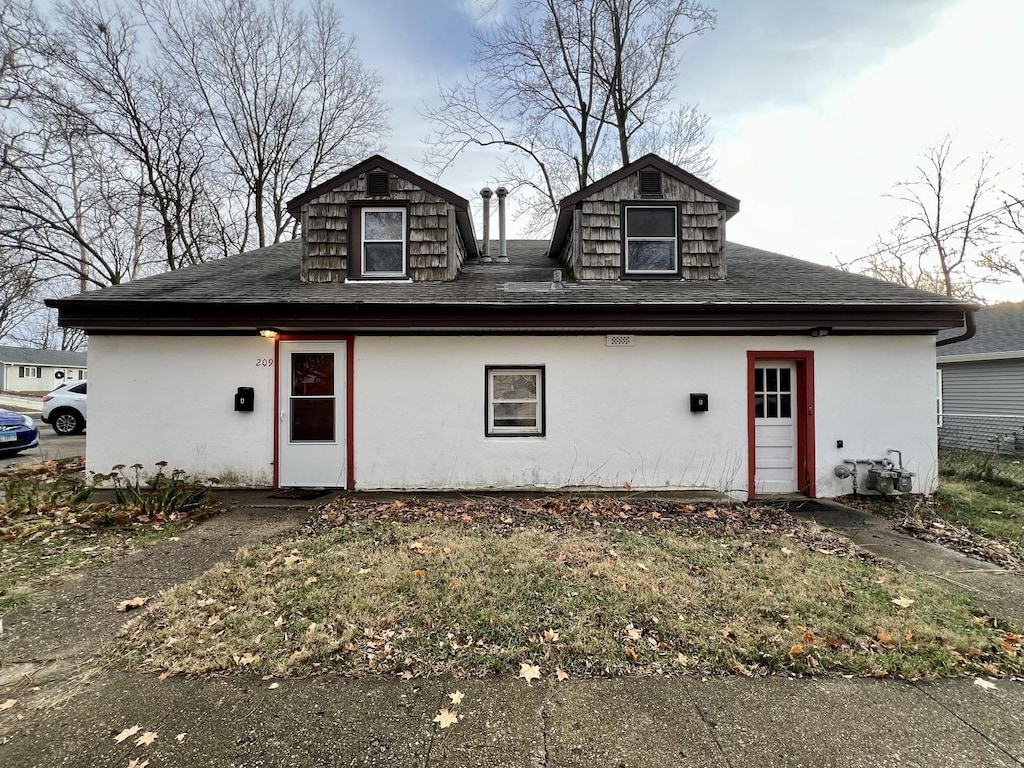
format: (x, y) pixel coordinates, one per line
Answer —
(311, 428)
(775, 427)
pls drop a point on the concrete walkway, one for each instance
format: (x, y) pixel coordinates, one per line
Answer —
(48, 660)
(1000, 590)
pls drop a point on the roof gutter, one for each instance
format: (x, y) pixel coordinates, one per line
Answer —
(969, 330)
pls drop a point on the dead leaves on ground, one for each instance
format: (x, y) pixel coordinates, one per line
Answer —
(528, 672)
(130, 605)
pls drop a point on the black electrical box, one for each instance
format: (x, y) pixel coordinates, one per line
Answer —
(244, 398)
(698, 402)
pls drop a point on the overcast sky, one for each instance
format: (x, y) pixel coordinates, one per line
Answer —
(817, 106)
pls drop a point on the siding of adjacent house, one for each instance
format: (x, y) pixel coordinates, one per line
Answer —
(594, 249)
(982, 404)
(431, 225)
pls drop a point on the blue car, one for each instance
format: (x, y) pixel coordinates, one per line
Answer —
(17, 433)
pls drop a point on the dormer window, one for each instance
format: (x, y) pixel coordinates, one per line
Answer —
(650, 241)
(382, 247)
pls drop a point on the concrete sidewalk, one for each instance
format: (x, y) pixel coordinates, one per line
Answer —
(632, 723)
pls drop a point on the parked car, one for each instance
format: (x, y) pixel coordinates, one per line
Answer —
(17, 433)
(64, 408)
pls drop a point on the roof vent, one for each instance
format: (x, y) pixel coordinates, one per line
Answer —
(377, 183)
(650, 183)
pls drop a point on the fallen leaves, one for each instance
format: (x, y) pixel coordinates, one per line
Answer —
(127, 733)
(137, 762)
(456, 697)
(132, 604)
(446, 717)
(981, 683)
(561, 674)
(528, 672)
(902, 602)
(146, 739)
(8, 704)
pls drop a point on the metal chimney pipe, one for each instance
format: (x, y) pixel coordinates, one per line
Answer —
(486, 193)
(502, 193)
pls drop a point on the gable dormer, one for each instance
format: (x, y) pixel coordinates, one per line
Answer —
(648, 220)
(380, 221)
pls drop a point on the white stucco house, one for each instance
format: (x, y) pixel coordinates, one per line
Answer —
(389, 349)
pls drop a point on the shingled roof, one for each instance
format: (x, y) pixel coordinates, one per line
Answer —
(264, 286)
(1000, 332)
(57, 358)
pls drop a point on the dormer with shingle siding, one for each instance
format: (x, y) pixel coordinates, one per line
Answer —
(648, 220)
(380, 221)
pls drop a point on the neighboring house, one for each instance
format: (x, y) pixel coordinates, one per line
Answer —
(38, 370)
(981, 383)
(388, 349)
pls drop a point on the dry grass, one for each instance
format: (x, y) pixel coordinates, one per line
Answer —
(469, 594)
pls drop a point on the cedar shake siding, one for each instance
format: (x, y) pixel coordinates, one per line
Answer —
(438, 236)
(589, 239)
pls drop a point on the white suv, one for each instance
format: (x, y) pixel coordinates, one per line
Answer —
(64, 408)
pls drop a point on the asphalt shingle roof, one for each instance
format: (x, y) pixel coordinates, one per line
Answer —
(755, 277)
(1000, 329)
(55, 357)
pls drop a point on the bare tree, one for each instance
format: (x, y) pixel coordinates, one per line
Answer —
(943, 240)
(282, 92)
(1008, 259)
(17, 293)
(571, 88)
(25, 47)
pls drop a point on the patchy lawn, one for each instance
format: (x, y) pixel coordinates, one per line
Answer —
(582, 587)
(51, 524)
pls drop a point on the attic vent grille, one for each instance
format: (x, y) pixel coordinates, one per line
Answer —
(377, 183)
(618, 340)
(650, 184)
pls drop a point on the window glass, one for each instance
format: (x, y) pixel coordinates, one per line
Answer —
(651, 240)
(651, 222)
(515, 402)
(383, 225)
(312, 419)
(383, 242)
(80, 389)
(312, 373)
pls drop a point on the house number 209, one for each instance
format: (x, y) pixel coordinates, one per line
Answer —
(264, 362)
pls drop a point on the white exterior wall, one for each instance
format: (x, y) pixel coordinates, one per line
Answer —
(171, 398)
(618, 415)
(614, 415)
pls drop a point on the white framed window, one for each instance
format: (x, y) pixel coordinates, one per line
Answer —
(650, 240)
(383, 250)
(938, 397)
(514, 401)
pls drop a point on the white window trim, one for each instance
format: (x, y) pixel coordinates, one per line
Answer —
(674, 240)
(404, 241)
(538, 430)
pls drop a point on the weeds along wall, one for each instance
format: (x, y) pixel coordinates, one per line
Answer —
(169, 398)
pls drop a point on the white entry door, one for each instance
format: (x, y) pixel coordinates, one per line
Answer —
(311, 395)
(775, 423)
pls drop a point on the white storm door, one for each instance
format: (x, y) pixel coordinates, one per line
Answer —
(775, 423)
(311, 431)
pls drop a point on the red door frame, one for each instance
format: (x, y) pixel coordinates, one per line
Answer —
(350, 432)
(805, 466)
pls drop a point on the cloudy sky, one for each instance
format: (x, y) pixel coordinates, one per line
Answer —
(818, 107)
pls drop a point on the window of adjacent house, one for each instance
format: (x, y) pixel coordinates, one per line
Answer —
(515, 401)
(81, 375)
(651, 240)
(938, 397)
(383, 234)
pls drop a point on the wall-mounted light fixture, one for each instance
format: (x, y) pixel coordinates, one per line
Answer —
(819, 332)
(268, 333)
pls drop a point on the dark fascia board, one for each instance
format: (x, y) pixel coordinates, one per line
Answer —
(143, 317)
(376, 161)
(565, 207)
(461, 204)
